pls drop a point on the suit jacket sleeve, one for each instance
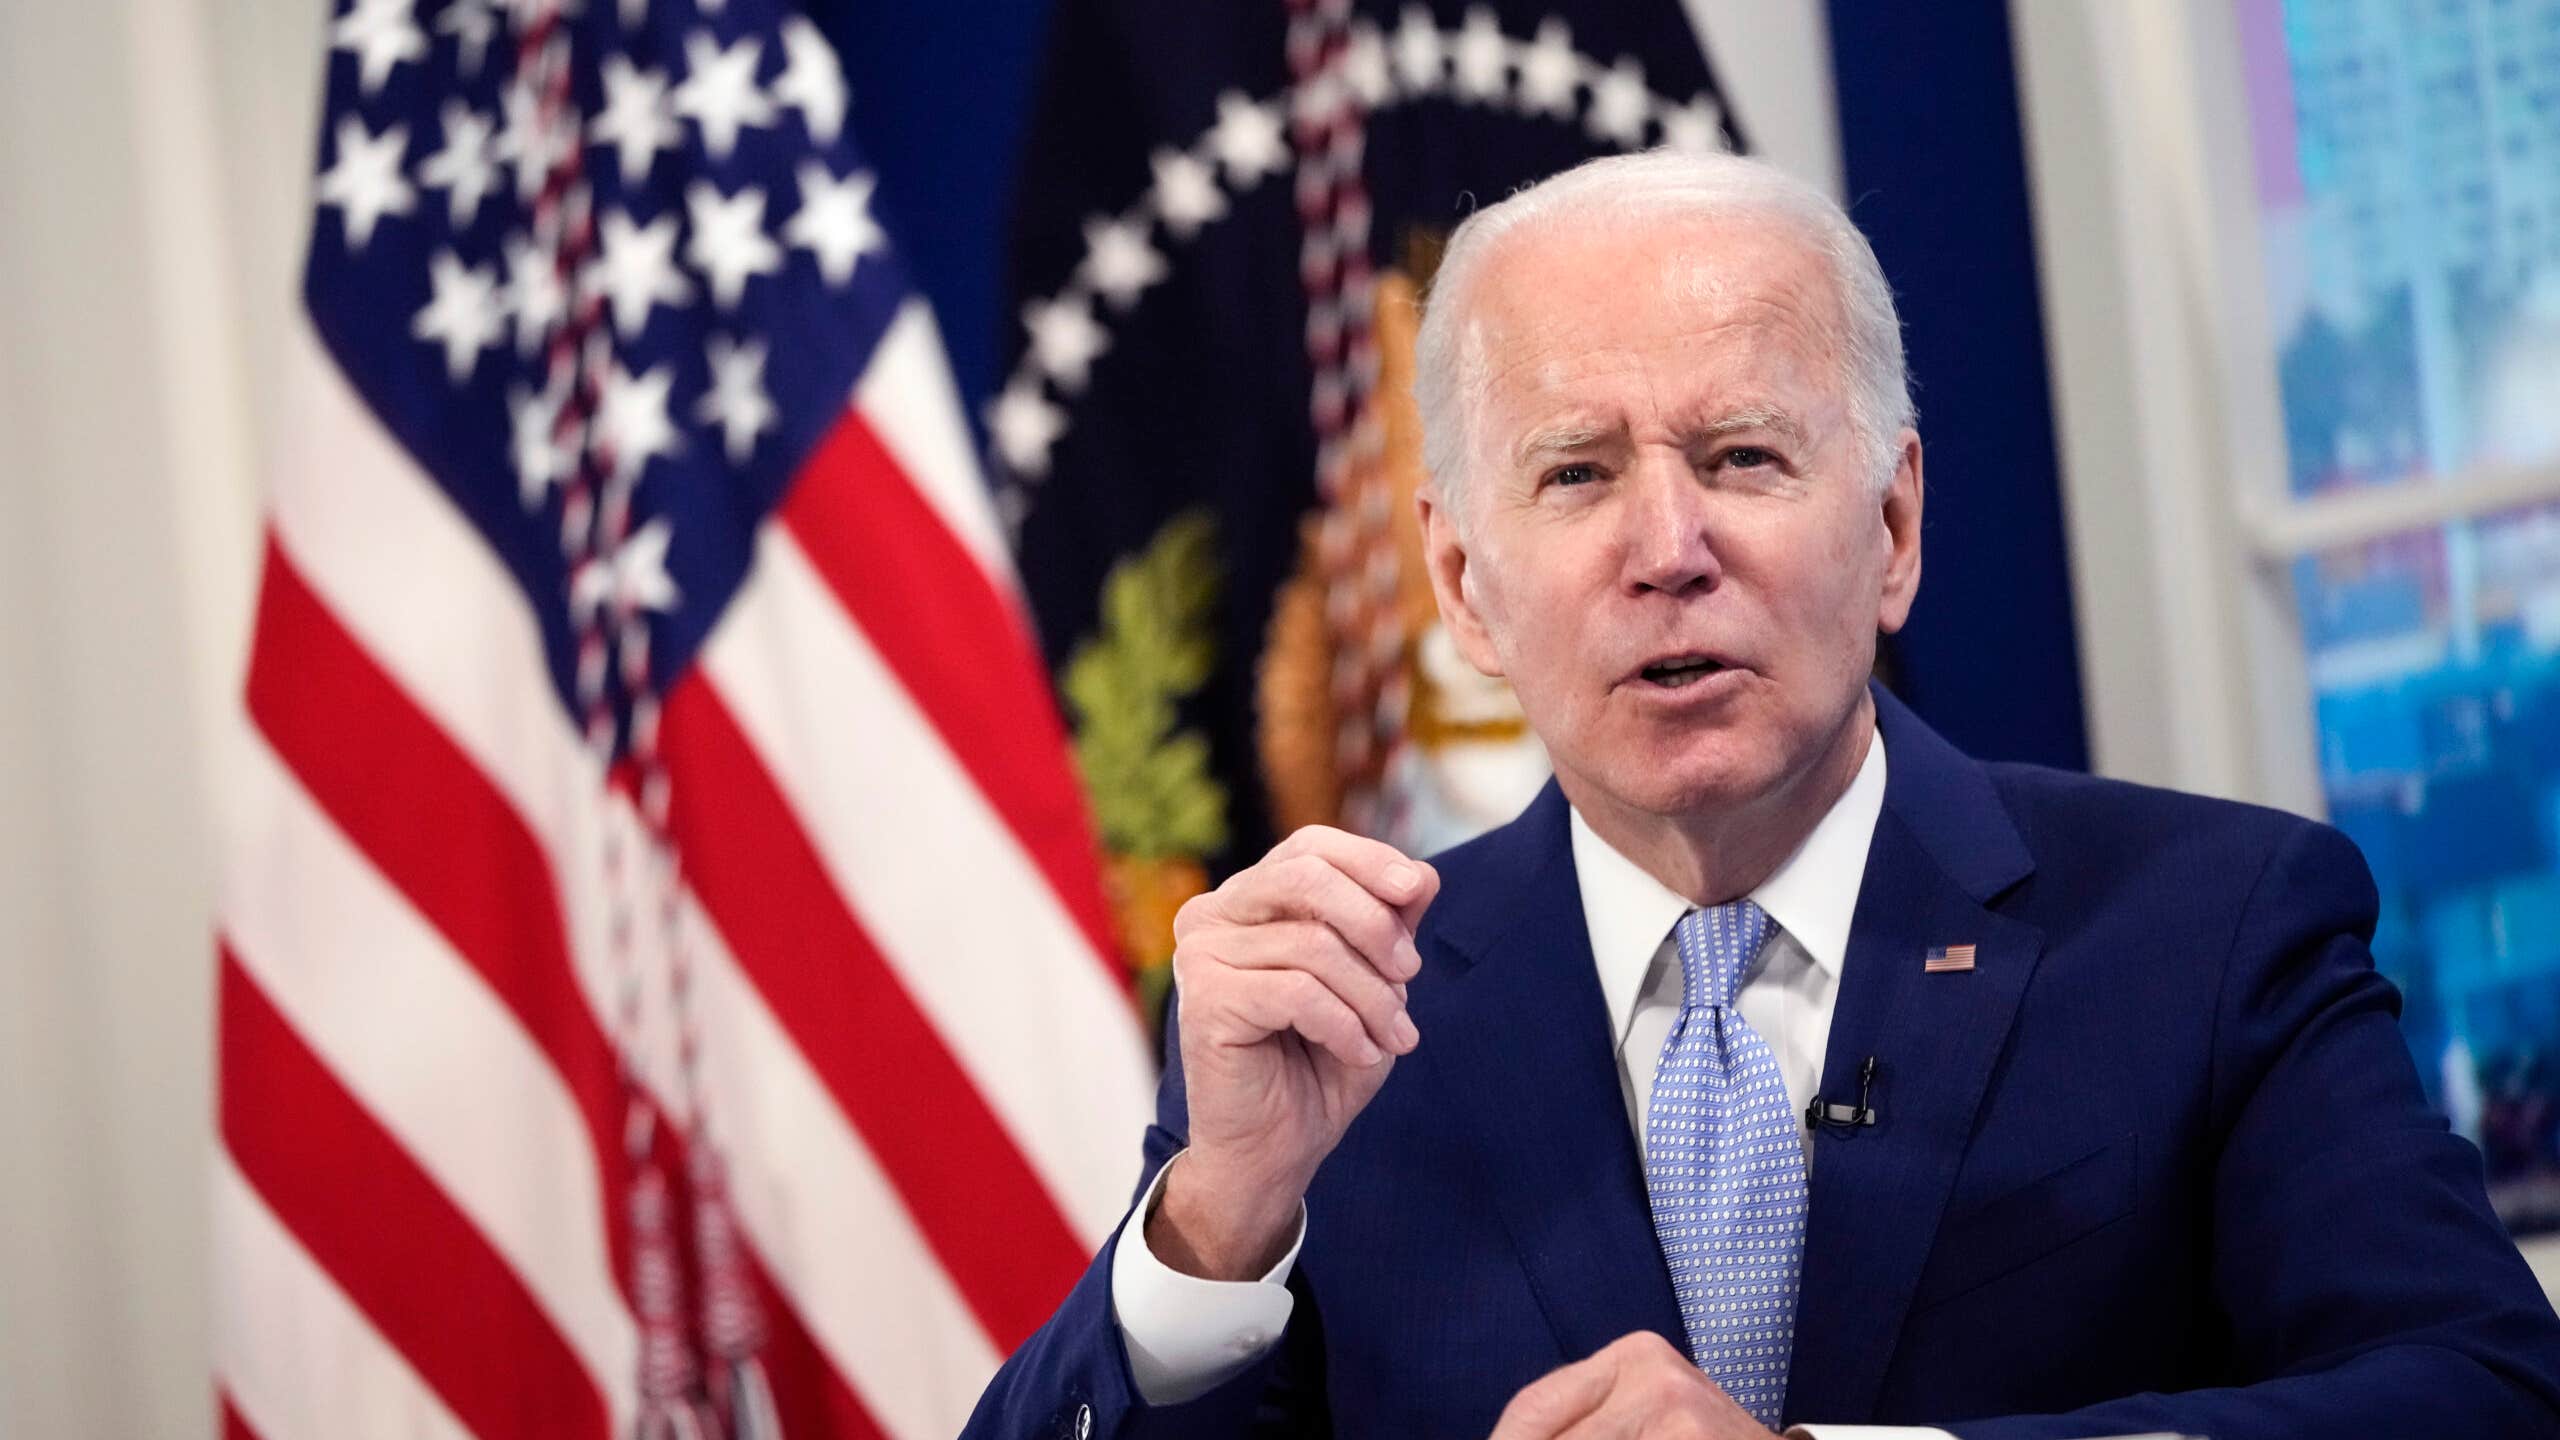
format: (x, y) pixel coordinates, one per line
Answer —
(2361, 1284)
(1071, 1379)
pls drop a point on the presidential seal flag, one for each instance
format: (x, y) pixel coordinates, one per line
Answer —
(1206, 438)
(665, 985)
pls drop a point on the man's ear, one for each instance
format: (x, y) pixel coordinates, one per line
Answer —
(1901, 502)
(1453, 581)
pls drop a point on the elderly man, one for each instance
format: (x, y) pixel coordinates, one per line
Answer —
(1779, 1065)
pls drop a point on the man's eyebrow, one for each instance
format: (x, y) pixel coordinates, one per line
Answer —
(1755, 417)
(1556, 439)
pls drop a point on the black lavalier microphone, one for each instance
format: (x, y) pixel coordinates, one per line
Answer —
(1835, 1116)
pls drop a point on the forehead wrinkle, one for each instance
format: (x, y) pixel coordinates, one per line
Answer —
(1503, 346)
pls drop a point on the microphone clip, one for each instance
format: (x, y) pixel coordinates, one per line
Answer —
(1819, 1115)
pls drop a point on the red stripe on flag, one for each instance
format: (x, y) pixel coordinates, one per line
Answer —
(387, 1235)
(422, 812)
(960, 648)
(233, 1427)
(992, 1224)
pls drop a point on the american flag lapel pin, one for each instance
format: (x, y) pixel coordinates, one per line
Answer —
(1941, 959)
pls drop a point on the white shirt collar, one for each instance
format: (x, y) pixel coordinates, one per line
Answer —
(1811, 896)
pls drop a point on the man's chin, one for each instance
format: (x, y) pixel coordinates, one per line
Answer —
(1683, 786)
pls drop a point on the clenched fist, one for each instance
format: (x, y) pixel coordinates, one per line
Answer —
(1292, 976)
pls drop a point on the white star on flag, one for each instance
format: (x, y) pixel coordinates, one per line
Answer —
(1065, 339)
(1186, 192)
(463, 168)
(635, 119)
(1248, 138)
(366, 183)
(1365, 68)
(1418, 54)
(729, 244)
(471, 24)
(535, 297)
(811, 80)
(635, 268)
(736, 401)
(464, 315)
(1483, 57)
(1549, 70)
(1620, 103)
(541, 461)
(632, 421)
(1696, 128)
(1025, 425)
(1118, 262)
(634, 576)
(834, 221)
(720, 93)
(380, 34)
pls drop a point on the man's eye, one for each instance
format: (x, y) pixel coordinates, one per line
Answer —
(1749, 457)
(1573, 475)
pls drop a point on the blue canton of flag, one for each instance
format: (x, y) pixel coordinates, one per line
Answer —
(705, 268)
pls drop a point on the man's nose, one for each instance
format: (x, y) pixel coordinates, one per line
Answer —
(1669, 532)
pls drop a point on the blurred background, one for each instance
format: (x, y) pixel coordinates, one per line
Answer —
(621, 624)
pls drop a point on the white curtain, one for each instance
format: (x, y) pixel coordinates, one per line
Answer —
(152, 155)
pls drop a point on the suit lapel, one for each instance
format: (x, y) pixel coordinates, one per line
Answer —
(1518, 1037)
(1944, 846)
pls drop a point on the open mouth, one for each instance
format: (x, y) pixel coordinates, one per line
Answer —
(1680, 671)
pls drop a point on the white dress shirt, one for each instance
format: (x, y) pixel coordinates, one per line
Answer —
(1185, 1336)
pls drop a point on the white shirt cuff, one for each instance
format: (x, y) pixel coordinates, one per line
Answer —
(1866, 1432)
(1187, 1336)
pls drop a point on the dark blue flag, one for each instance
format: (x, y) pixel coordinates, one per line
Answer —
(1224, 216)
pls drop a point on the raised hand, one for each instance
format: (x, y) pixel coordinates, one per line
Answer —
(1292, 977)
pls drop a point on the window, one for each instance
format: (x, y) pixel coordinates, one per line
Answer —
(2406, 161)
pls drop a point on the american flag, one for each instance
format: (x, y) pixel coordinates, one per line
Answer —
(1941, 959)
(663, 969)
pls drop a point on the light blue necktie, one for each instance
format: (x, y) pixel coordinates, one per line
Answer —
(1724, 1166)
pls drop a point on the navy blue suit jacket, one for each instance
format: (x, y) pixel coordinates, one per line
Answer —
(2159, 1161)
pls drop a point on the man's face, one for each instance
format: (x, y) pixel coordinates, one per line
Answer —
(1676, 549)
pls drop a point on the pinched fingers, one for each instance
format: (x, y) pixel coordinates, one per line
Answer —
(1270, 1001)
(1331, 908)
(1310, 887)
(1407, 884)
(1316, 948)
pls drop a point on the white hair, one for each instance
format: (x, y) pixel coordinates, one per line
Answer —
(1659, 185)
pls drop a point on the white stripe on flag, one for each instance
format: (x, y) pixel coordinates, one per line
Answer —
(909, 401)
(960, 912)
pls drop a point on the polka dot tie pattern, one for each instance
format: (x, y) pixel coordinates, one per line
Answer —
(1725, 1168)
